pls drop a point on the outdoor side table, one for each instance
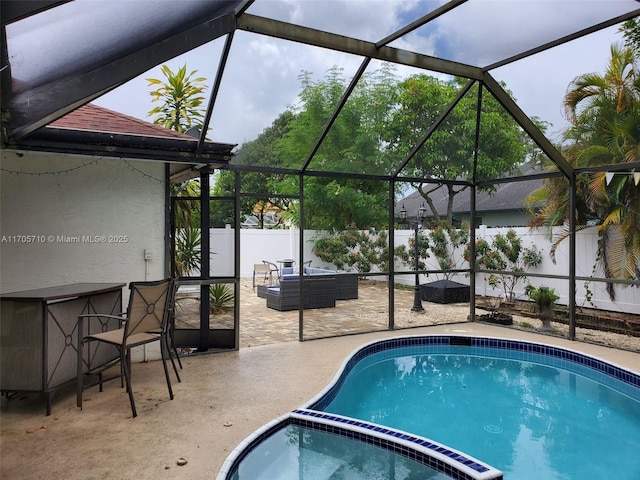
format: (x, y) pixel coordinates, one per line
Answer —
(38, 335)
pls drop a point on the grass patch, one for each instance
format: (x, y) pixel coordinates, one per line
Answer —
(525, 325)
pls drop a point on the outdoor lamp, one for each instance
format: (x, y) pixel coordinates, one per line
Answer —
(417, 301)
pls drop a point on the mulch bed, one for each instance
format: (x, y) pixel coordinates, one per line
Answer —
(603, 320)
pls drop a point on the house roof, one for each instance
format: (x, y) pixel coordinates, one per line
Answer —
(91, 129)
(99, 120)
(507, 197)
(93, 118)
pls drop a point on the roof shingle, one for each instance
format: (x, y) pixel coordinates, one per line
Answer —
(93, 118)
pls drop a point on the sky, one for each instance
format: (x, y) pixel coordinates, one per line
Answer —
(262, 74)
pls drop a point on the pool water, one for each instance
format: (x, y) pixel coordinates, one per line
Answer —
(536, 419)
(296, 452)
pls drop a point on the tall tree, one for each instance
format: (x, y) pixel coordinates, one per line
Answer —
(631, 31)
(352, 145)
(604, 115)
(266, 189)
(448, 153)
(180, 98)
(180, 109)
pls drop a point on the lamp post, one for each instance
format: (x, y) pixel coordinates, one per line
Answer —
(417, 300)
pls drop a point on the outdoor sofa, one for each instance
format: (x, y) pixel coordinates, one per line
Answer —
(317, 292)
(346, 283)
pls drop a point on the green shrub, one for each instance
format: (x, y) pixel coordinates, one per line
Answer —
(507, 254)
(354, 249)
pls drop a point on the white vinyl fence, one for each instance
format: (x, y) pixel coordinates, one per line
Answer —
(275, 245)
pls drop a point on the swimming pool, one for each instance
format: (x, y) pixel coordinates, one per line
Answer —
(532, 411)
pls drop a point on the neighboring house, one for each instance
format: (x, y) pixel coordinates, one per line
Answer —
(503, 208)
(270, 220)
(264, 215)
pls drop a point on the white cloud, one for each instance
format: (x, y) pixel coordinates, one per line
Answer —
(261, 78)
(540, 82)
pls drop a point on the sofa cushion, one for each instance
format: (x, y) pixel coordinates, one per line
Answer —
(318, 271)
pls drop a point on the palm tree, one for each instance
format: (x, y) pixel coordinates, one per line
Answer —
(604, 111)
(187, 208)
(181, 109)
(181, 98)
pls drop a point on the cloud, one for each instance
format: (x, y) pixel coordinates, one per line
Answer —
(540, 82)
(262, 75)
(482, 32)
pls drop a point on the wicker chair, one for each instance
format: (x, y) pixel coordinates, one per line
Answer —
(346, 283)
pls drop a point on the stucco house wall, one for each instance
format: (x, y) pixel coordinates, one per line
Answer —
(71, 219)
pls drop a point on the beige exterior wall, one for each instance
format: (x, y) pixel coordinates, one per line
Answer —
(72, 219)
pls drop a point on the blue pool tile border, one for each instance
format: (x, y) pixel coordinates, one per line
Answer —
(236, 457)
(438, 457)
(321, 401)
(411, 446)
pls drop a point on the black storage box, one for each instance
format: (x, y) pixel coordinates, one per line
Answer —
(444, 291)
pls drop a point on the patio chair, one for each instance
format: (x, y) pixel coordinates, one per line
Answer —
(262, 270)
(146, 321)
(267, 269)
(170, 336)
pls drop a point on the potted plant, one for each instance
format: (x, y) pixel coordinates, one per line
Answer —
(545, 299)
(494, 316)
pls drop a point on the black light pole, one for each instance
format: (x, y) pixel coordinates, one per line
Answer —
(417, 300)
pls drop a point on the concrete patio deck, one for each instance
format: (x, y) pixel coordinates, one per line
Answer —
(223, 398)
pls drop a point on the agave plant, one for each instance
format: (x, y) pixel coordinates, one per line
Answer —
(221, 298)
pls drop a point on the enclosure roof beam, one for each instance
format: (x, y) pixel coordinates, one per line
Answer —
(340, 43)
(420, 22)
(336, 112)
(433, 127)
(14, 10)
(214, 91)
(565, 39)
